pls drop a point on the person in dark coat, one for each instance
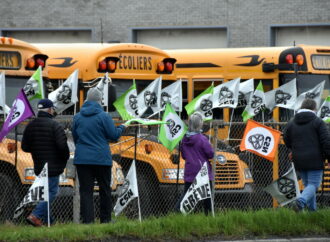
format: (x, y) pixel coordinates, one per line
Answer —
(45, 139)
(92, 131)
(195, 150)
(308, 138)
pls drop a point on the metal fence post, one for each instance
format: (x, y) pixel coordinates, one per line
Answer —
(76, 201)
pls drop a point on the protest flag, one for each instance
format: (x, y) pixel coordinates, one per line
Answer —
(202, 103)
(284, 96)
(128, 191)
(225, 95)
(3, 107)
(150, 97)
(324, 111)
(126, 105)
(245, 92)
(34, 88)
(173, 95)
(199, 190)
(314, 93)
(37, 192)
(256, 103)
(286, 188)
(103, 86)
(173, 130)
(66, 95)
(260, 140)
(20, 111)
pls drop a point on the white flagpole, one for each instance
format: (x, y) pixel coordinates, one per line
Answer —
(231, 119)
(139, 209)
(212, 203)
(48, 212)
(210, 131)
(263, 117)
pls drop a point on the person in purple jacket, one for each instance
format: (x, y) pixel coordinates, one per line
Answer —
(196, 150)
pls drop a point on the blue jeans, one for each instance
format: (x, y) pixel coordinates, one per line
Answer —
(312, 180)
(41, 210)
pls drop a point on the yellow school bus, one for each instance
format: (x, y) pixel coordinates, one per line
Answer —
(156, 167)
(274, 66)
(18, 60)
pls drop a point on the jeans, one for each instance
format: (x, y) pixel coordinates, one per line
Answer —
(312, 180)
(41, 210)
(87, 175)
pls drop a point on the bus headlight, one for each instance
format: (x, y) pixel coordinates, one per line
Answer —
(247, 173)
(120, 175)
(221, 159)
(29, 175)
(63, 178)
(171, 174)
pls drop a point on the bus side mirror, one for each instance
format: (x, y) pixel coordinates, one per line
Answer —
(112, 97)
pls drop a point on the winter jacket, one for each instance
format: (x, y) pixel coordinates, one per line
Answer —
(195, 150)
(308, 138)
(45, 139)
(92, 131)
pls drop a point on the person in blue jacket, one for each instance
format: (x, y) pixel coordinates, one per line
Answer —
(92, 131)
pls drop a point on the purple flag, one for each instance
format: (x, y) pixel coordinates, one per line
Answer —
(20, 111)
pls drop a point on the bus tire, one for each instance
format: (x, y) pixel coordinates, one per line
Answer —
(9, 197)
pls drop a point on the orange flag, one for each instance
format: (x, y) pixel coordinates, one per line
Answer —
(260, 139)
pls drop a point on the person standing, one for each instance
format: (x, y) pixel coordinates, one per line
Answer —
(92, 131)
(45, 139)
(195, 150)
(307, 136)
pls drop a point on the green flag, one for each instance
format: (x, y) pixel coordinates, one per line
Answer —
(173, 129)
(202, 103)
(144, 121)
(257, 103)
(126, 104)
(34, 88)
(324, 111)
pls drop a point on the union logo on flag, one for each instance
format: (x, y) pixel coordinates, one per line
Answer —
(260, 139)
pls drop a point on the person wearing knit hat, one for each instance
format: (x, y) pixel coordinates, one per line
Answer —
(94, 94)
(92, 130)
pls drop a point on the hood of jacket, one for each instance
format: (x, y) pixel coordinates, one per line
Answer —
(191, 139)
(90, 108)
(304, 117)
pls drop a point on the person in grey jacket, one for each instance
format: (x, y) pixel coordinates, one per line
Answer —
(92, 131)
(308, 138)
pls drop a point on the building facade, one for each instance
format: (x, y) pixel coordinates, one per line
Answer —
(169, 24)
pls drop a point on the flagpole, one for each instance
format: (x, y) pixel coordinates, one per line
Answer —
(135, 150)
(48, 212)
(215, 145)
(231, 119)
(212, 201)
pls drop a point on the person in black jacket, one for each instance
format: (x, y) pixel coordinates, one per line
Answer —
(45, 139)
(307, 136)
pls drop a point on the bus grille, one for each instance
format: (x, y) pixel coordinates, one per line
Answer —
(227, 174)
(326, 179)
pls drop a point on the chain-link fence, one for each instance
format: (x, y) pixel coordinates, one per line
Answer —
(239, 176)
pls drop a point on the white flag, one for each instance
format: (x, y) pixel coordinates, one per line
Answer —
(284, 96)
(314, 93)
(150, 97)
(245, 92)
(173, 95)
(225, 95)
(103, 86)
(37, 192)
(324, 111)
(256, 103)
(66, 95)
(286, 188)
(3, 105)
(199, 190)
(128, 190)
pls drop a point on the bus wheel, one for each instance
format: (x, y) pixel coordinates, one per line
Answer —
(8, 197)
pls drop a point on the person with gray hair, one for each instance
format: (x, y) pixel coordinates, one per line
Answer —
(92, 130)
(195, 150)
(308, 138)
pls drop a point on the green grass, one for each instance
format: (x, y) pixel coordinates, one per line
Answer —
(231, 224)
